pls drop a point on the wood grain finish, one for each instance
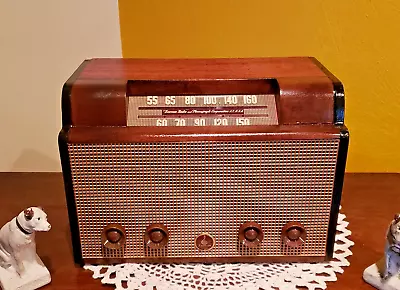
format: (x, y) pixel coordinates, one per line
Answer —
(306, 100)
(369, 201)
(98, 103)
(202, 69)
(201, 87)
(173, 134)
(96, 94)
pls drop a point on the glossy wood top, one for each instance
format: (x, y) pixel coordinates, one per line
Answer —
(369, 201)
(195, 69)
(96, 93)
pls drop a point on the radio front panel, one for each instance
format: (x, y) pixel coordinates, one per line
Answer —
(199, 188)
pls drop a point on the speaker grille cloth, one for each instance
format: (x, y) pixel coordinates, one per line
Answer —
(196, 187)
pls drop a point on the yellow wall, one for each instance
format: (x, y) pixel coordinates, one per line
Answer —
(359, 41)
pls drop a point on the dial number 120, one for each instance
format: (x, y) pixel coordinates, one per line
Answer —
(220, 122)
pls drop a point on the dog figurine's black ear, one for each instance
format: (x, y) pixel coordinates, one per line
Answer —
(28, 213)
(396, 218)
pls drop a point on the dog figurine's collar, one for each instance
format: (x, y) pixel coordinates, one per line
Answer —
(21, 228)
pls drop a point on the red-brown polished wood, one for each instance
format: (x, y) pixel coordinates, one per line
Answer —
(96, 94)
(174, 134)
(200, 69)
(369, 201)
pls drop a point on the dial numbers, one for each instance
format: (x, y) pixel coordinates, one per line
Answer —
(202, 110)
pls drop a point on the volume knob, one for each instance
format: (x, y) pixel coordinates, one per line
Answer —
(113, 236)
(251, 234)
(293, 234)
(156, 236)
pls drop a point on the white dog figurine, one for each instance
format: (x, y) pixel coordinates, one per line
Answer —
(384, 274)
(392, 249)
(19, 263)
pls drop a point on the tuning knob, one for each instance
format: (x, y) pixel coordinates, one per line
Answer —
(251, 234)
(156, 236)
(293, 234)
(113, 236)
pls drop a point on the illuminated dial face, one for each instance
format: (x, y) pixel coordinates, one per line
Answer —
(202, 110)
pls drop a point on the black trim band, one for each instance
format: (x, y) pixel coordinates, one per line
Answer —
(337, 190)
(21, 228)
(70, 196)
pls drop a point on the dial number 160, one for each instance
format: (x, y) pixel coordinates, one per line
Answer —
(250, 99)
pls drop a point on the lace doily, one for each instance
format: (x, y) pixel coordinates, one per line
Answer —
(283, 276)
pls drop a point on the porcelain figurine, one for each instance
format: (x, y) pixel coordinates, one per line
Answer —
(20, 266)
(385, 274)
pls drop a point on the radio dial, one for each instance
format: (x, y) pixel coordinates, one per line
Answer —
(294, 234)
(251, 234)
(156, 236)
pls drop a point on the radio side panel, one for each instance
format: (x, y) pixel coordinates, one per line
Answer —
(337, 190)
(70, 195)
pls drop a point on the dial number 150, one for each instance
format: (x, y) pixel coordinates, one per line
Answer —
(242, 121)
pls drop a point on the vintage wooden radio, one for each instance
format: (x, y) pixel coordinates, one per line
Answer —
(203, 160)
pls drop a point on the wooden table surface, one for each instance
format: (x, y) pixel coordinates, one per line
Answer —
(369, 202)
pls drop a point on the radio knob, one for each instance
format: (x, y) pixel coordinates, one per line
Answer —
(113, 236)
(251, 234)
(294, 234)
(156, 236)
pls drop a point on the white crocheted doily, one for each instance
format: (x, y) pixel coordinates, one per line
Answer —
(283, 276)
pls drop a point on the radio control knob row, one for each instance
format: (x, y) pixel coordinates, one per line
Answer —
(250, 234)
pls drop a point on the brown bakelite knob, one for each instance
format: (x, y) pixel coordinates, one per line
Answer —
(156, 236)
(294, 234)
(113, 236)
(251, 234)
